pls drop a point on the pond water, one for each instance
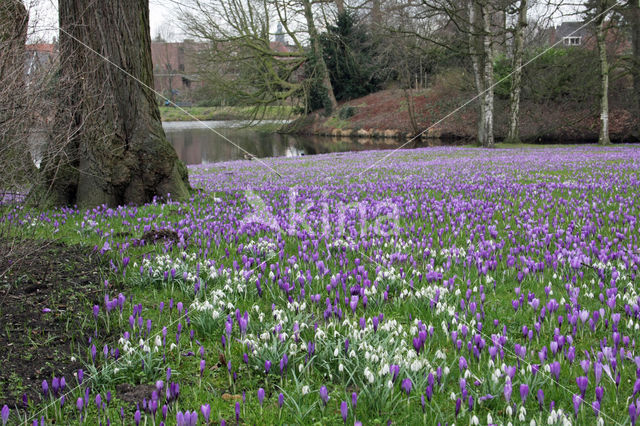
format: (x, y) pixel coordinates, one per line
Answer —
(198, 142)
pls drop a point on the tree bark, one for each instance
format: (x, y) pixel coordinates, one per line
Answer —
(116, 151)
(516, 78)
(476, 65)
(487, 97)
(321, 66)
(376, 13)
(634, 6)
(604, 75)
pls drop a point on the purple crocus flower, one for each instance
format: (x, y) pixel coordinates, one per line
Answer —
(354, 400)
(458, 405)
(324, 395)
(344, 410)
(5, 415)
(394, 370)
(524, 391)
(206, 412)
(137, 417)
(407, 385)
(267, 366)
(633, 414)
(508, 389)
(583, 383)
(79, 404)
(260, 396)
(280, 400)
(577, 401)
(462, 364)
(540, 398)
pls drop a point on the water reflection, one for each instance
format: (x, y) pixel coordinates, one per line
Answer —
(196, 144)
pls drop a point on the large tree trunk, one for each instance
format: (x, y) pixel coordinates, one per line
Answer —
(516, 78)
(329, 101)
(116, 151)
(604, 76)
(634, 6)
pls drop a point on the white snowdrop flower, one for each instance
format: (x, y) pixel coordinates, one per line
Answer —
(172, 346)
(474, 420)
(73, 359)
(600, 421)
(305, 389)
(521, 417)
(300, 367)
(336, 351)
(352, 354)
(446, 371)
(158, 341)
(452, 396)
(532, 422)
(416, 366)
(509, 411)
(367, 355)
(116, 370)
(489, 419)
(340, 367)
(467, 374)
(390, 384)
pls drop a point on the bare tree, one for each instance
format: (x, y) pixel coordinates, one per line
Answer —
(516, 77)
(601, 9)
(242, 61)
(116, 151)
(634, 18)
(18, 101)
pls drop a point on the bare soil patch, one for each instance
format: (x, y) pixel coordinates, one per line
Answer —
(46, 293)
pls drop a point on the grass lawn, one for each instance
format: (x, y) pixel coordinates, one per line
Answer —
(223, 113)
(430, 285)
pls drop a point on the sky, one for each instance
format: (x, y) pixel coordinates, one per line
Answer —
(43, 15)
(163, 17)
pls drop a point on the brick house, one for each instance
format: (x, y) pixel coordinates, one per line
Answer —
(175, 71)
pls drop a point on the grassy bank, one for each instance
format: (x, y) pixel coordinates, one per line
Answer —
(223, 113)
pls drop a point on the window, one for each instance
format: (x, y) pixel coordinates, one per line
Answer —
(572, 41)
